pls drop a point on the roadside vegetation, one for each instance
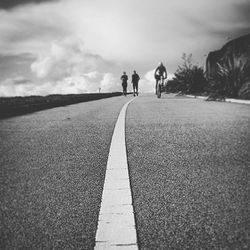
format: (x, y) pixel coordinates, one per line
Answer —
(188, 78)
(232, 80)
(11, 106)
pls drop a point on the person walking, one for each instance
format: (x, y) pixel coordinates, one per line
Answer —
(135, 81)
(124, 79)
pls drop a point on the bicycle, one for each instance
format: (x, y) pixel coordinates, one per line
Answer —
(160, 86)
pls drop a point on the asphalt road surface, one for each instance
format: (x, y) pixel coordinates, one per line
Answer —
(53, 166)
(188, 161)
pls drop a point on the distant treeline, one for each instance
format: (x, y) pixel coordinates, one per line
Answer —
(11, 106)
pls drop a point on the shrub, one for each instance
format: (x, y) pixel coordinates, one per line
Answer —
(172, 86)
(216, 91)
(231, 76)
(244, 92)
(190, 78)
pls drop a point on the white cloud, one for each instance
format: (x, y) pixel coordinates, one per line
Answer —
(17, 86)
(147, 82)
(67, 57)
(123, 30)
(110, 83)
(88, 83)
(66, 69)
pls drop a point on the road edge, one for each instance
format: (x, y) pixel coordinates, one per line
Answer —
(240, 101)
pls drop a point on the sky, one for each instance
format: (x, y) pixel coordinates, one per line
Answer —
(82, 46)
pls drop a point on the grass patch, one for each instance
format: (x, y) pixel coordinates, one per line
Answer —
(12, 106)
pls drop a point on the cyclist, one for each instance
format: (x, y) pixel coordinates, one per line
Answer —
(124, 79)
(135, 80)
(160, 71)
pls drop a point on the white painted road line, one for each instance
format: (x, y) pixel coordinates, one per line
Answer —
(116, 223)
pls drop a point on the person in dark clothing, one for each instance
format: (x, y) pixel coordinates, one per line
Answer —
(135, 81)
(124, 79)
(160, 71)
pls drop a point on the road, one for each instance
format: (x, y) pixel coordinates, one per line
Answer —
(188, 163)
(53, 165)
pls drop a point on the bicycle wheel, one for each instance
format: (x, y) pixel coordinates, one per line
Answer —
(159, 90)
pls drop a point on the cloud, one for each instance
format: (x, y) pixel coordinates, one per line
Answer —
(176, 27)
(68, 57)
(8, 4)
(67, 67)
(18, 86)
(93, 82)
(110, 83)
(12, 66)
(70, 39)
(242, 11)
(31, 29)
(20, 80)
(147, 82)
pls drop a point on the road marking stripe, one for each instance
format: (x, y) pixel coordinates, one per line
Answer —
(116, 223)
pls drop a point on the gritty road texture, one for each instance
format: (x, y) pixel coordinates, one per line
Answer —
(189, 164)
(53, 164)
